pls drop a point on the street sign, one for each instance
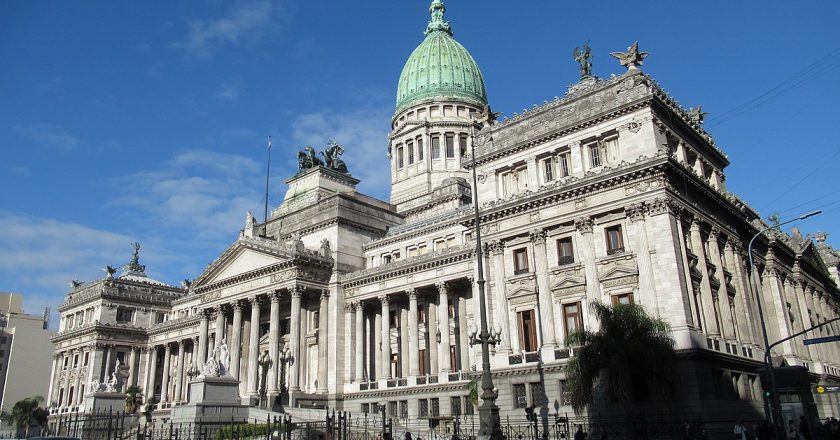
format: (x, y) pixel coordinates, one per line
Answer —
(822, 340)
(825, 389)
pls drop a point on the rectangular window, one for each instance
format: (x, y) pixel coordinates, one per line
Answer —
(615, 243)
(409, 147)
(527, 330)
(435, 147)
(404, 409)
(595, 155)
(455, 402)
(565, 251)
(538, 397)
(419, 148)
(412, 252)
(386, 258)
(563, 168)
(611, 150)
(124, 314)
(422, 356)
(392, 409)
(520, 398)
(623, 298)
(462, 143)
(520, 261)
(572, 317)
(75, 361)
(365, 408)
(87, 359)
(440, 245)
(435, 404)
(453, 359)
(468, 406)
(548, 169)
(424, 407)
(400, 163)
(450, 145)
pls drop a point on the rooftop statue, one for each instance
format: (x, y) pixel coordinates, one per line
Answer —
(584, 58)
(331, 157)
(632, 58)
(308, 159)
(486, 117)
(697, 115)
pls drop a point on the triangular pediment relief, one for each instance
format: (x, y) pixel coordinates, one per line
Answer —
(522, 289)
(810, 254)
(618, 271)
(241, 257)
(567, 282)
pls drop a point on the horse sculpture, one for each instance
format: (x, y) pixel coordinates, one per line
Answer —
(331, 157)
(308, 159)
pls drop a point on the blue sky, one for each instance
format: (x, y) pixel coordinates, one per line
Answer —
(146, 121)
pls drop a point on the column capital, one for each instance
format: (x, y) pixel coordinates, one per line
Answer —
(181, 343)
(442, 287)
(412, 293)
(636, 211)
(537, 235)
(713, 233)
(584, 225)
(325, 295)
(206, 313)
(497, 247)
(219, 309)
(384, 300)
(256, 300)
(274, 297)
(236, 305)
(471, 279)
(351, 306)
(296, 291)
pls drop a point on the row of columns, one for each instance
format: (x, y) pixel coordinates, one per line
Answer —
(101, 359)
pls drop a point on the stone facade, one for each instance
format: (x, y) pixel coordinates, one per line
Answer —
(612, 193)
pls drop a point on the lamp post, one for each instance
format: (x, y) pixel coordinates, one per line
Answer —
(285, 357)
(490, 426)
(771, 405)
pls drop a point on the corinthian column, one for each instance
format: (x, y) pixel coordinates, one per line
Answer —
(179, 375)
(273, 338)
(294, 340)
(413, 343)
(203, 327)
(149, 390)
(647, 288)
(709, 315)
(220, 326)
(443, 328)
(323, 335)
(360, 342)
(587, 254)
(385, 353)
(164, 387)
(236, 340)
(254, 346)
(549, 337)
(500, 302)
(132, 369)
(723, 306)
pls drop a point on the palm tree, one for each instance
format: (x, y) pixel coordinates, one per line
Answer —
(133, 399)
(27, 413)
(631, 356)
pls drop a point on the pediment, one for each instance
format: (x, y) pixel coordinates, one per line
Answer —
(618, 271)
(567, 282)
(236, 260)
(809, 253)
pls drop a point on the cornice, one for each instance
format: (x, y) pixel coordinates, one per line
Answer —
(174, 324)
(408, 265)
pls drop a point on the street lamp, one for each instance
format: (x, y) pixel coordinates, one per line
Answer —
(285, 358)
(771, 407)
(490, 425)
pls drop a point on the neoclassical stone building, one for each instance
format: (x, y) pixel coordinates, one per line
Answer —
(613, 192)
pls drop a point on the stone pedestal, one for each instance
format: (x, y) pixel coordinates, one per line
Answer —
(212, 399)
(104, 401)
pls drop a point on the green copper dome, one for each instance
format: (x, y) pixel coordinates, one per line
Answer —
(440, 68)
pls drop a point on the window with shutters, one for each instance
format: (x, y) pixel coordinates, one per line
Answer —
(622, 298)
(564, 161)
(565, 251)
(572, 317)
(611, 150)
(514, 181)
(409, 148)
(520, 261)
(435, 147)
(527, 330)
(548, 169)
(420, 149)
(615, 242)
(400, 163)
(595, 155)
(450, 145)
(462, 144)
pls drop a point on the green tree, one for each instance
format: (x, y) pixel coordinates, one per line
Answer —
(631, 357)
(133, 399)
(27, 413)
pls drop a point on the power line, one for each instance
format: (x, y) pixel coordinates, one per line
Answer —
(814, 70)
(813, 171)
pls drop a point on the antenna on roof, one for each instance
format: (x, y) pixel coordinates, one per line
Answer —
(267, 173)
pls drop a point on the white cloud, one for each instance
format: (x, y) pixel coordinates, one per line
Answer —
(39, 257)
(364, 135)
(244, 21)
(50, 136)
(228, 92)
(198, 194)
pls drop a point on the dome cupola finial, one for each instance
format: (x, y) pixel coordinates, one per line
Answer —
(437, 23)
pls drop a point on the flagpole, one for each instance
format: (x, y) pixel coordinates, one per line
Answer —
(267, 173)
